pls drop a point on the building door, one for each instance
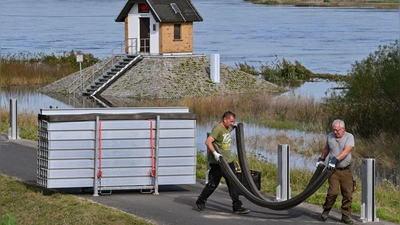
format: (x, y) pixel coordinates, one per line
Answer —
(145, 35)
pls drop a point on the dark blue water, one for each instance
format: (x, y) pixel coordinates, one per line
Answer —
(322, 39)
(54, 26)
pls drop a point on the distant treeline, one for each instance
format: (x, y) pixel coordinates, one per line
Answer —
(383, 4)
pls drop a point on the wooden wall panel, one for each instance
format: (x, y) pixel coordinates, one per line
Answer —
(169, 45)
(126, 35)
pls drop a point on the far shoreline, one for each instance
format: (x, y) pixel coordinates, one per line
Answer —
(385, 4)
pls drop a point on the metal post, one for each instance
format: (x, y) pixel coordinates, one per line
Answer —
(13, 132)
(283, 189)
(96, 158)
(157, 149)
(208, 154)
(368, 208)
(79, 59)
(80, 74)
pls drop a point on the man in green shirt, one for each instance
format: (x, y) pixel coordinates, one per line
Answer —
(220, 134)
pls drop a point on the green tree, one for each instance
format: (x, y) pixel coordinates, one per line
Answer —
(370, 102)
(285, 72)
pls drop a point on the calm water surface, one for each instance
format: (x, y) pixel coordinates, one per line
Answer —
(322, 39)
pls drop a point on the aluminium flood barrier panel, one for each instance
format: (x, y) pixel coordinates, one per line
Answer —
(116, 148)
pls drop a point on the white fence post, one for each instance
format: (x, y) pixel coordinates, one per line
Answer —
(13, 132)
(368, 208)
(283, 189)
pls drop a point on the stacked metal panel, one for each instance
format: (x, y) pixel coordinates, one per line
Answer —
(116, 148)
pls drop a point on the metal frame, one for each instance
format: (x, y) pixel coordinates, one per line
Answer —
(69, 144)
(114, 110)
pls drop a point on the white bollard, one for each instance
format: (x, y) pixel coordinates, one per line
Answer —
(215, 68)
(368, 208)
(13, 132)
(283, 189)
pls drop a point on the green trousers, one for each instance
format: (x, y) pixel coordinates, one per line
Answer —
(341, 180)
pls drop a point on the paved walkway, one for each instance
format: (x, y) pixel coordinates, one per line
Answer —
(174, 204)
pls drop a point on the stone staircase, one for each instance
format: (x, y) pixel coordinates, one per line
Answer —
(111, 75)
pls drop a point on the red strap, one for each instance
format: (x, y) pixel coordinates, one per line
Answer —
(153, 169)
(100, 172)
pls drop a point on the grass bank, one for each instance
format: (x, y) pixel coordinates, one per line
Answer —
(31, 205)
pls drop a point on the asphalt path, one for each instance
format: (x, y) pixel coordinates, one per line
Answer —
(174, 204)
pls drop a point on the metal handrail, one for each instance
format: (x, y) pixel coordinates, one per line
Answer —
(117, 74)
(97, 69)
(131, 46)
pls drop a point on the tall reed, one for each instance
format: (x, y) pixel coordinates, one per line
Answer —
(284, 112)
(33, 69)
(384, 149)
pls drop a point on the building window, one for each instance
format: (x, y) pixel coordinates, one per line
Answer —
(177, 31)
(143, 8)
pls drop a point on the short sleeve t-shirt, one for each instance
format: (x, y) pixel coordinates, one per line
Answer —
(223, 140)
(337, 146)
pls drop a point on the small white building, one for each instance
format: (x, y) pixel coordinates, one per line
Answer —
(159, 27)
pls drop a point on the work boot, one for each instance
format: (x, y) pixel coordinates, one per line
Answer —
(241, 210)
(345, 219)
(325, 214)
(201, 207)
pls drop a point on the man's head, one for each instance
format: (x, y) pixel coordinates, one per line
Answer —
(228, 119)
(338, 128)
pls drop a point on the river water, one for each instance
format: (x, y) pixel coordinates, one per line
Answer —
(324, 40)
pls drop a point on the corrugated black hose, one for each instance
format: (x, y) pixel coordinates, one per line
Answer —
(261, 201)
(244, 166)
